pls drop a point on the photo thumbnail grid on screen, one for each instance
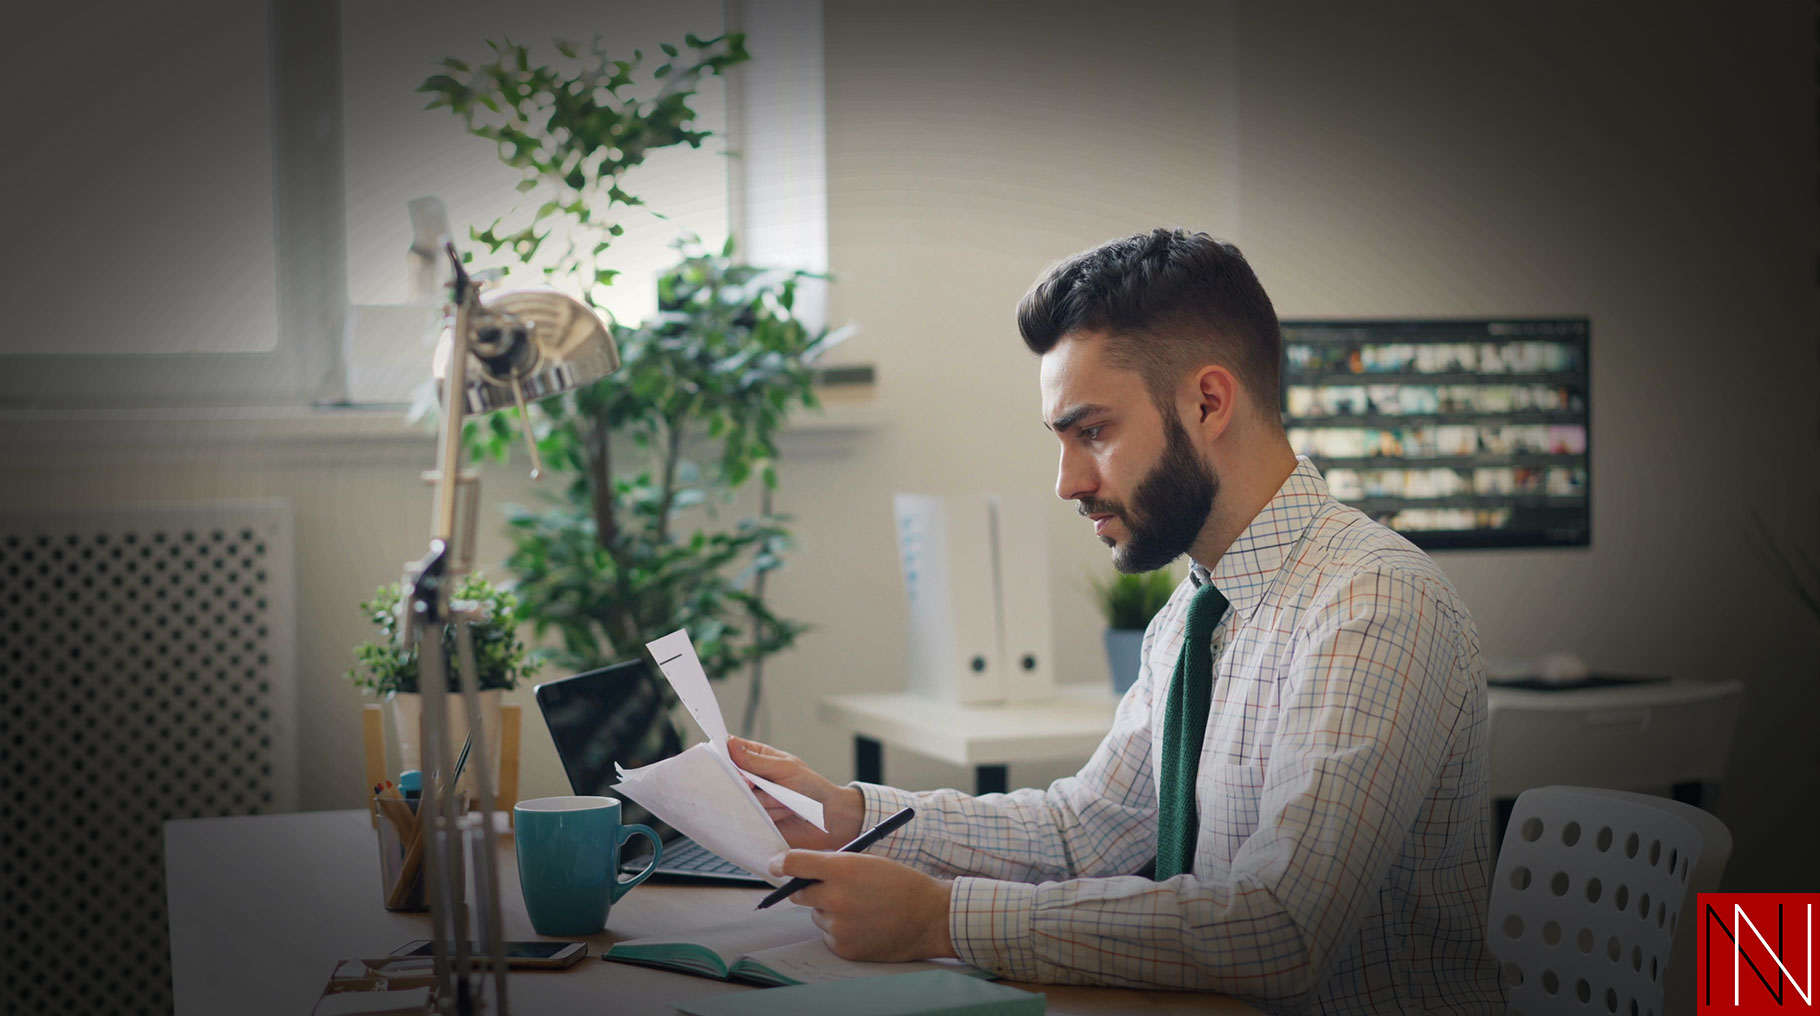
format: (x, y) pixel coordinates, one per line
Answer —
(1455, 433)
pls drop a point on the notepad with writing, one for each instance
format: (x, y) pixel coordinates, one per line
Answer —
(777, 946)
(926, 993)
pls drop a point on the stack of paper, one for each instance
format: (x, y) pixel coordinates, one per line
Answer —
(700, 791)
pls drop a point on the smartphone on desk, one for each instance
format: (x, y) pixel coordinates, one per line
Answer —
(519, 955)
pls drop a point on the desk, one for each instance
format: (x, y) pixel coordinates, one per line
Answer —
(1626, 738)
(261, 908)
(986, 738)
(1643, 737)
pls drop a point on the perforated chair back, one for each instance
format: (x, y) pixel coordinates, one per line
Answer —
(1590, 890)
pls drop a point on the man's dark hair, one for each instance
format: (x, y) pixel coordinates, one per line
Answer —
(1169, 301)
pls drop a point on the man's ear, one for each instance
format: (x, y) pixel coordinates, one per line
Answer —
(1213, 395)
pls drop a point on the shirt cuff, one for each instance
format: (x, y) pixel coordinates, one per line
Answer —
(989, 923)
(882, 803)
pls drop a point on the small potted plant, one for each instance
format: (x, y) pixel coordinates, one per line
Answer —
(388, 669)
(1129, 602)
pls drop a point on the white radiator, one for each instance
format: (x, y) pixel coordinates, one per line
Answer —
(147, 672)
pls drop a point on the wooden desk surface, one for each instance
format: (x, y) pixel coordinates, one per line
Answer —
(262, 908)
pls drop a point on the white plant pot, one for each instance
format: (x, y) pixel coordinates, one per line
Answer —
(407, 721)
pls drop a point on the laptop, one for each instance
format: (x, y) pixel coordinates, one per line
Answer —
(593, 715)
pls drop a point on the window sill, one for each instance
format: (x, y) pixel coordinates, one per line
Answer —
(352, 431)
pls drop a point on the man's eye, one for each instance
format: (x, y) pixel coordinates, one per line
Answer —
(1091, 433)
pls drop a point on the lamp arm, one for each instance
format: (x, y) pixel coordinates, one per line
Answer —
(454, 409)
(432, 583)
(536, 345)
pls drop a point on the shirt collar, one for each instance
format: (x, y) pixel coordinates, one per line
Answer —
(1245, 571)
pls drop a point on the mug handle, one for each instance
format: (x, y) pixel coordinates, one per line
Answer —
(621, 886)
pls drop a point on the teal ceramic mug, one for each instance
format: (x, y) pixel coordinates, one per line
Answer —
(568, 861)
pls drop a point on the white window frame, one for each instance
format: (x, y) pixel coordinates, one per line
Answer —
(304, 366)
(777, 203)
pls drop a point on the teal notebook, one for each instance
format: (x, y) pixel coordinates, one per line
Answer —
(781, 945)
(928, 991)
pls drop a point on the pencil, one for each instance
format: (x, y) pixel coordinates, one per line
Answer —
(462, 762)
(400, 816)
(413, 855)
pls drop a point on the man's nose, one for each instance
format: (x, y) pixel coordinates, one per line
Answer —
(1074, 479)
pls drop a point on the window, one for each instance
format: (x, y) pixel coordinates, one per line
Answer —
(169, 178)
(159, 141)
(202, 204)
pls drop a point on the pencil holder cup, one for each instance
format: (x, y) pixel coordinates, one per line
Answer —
(401, 851)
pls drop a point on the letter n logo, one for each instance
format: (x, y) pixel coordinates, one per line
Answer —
(1756, 953)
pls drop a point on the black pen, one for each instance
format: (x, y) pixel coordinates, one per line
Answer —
(861, 842)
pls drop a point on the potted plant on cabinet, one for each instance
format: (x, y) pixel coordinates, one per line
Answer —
(1129, 602)
(390, 670)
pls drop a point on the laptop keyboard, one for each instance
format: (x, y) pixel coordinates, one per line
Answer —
(688, 855)
(685, 856)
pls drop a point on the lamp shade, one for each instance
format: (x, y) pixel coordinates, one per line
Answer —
(546, 340)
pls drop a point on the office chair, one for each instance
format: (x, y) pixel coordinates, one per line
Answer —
(1591, 888)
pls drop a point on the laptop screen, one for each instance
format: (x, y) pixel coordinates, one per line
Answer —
(614, 714)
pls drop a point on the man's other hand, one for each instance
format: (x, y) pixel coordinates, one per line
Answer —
(871, 908)
(843, 808)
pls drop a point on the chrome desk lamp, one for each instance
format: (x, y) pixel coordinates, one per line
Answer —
(504, 349)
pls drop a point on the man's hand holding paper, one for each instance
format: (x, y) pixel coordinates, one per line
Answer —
(844, 808)
(868, 908)
(700, 791)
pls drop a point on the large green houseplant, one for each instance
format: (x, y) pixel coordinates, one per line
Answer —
(630, 547)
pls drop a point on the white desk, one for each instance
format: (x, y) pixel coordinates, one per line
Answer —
(262, 908)
(1632, 737)
(1624, 737)
(1643, 737)
(986, 738)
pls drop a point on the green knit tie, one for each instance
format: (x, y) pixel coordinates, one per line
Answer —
(1184, 724)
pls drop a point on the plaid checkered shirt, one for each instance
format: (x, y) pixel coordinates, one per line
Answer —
(1343, 853)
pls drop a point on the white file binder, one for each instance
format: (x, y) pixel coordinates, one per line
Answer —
(945, 549)
(976, 571)
(1026, 625)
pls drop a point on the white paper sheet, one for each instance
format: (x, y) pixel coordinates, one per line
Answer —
(675, 655)
(700, 791)
(695, 792)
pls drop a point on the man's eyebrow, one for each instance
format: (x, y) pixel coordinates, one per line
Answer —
(1074, 416)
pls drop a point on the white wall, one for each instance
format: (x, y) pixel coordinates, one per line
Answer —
(1648, 165)
(1651, 166)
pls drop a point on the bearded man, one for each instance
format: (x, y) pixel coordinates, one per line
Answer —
(1292, 805)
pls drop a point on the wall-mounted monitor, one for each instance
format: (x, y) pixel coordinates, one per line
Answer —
(1468, 433)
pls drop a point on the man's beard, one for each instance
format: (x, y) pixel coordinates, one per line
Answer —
(1167, 510)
